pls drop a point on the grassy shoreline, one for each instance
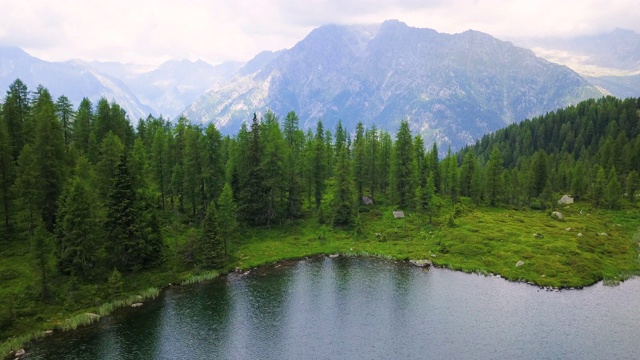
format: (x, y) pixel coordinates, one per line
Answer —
(481, 240)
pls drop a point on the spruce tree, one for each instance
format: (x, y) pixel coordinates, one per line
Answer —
(613, 190)
(15, 112)
(64, 110)
(599, 186)
(213, 252)
(50, 153)
(344, 212)
(78, 228)
(632, 183)
(7, 177)
(403, 171)
(294, 140)
(81, 127)
(319, 159)
(41, 249)
(27, 191)
(493, 176)
(227, 216)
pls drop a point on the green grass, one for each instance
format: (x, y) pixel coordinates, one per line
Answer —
(482, 240)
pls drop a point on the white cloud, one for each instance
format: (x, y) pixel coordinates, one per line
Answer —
(153, 31)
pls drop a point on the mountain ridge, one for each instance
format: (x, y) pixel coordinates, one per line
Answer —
(453, 87)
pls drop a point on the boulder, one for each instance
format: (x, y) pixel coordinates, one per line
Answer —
(537, 236)
(566, 200)
(333, 256)
(519, 263)
(421, 263)
(557, 215)
(567, 229)
(20, 352)
(579, 234)
(398, 214)
(135, 305)
(603, 234)
(367, 200)
(48, 332)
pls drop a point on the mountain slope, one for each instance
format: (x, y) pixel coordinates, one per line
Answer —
(610, 61)
(75, 79)
(453, 88)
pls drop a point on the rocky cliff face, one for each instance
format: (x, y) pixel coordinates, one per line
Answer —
(452, 88)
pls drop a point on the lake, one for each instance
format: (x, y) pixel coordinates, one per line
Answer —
(362, 308)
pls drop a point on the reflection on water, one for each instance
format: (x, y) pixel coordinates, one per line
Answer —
(356, 308)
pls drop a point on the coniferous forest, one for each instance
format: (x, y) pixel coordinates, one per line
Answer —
(93, 207)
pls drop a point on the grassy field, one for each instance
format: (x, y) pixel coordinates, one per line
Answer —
(485, 240)
(478, 239)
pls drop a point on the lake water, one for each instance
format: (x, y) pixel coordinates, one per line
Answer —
(358, 308)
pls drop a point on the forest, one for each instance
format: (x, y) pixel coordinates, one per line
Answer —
(89, 201)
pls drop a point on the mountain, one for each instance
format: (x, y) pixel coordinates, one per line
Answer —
(139, 90)
(172, 86)
(75, 79)
(610, 61)
(453, 88)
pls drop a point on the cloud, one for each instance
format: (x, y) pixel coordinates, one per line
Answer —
(154, 31)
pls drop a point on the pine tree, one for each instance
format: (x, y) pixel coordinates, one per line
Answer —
(359, 165)
(493, 176)
(599, 186)
(613, 190)
(466, 173)
(50, 154)
(7, 177)
(319, 164)
(78, 227)
(121, 225)
(81, 127)
(64, 110)
(227, 216)
(213, 251)
(433, 165)
(273, 165)
(41, 248)
(27, 191)
(428, 197)
(254, 190)
(160, 164)
(294, 140)
(15, 112)
(343, 208)
(111, 150)
(403, 172)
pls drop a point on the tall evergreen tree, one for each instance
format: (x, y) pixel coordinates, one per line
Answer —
(403, 174)
(15, 112)
(344, 213)
(212, 244)
(41, 248)
(227, 216)
(359, 165)
(78, 227)
(254, 189)
(613, 190)
(294, 140)
(319, 170)
(27, 191)
(64, 110)
(7, 177)
(493, 176)
(50, 153)
(81, 127)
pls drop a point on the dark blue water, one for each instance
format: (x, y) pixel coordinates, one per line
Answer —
(356, 308)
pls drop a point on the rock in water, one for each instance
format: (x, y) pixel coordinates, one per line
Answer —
(333, 256)
(421, 263)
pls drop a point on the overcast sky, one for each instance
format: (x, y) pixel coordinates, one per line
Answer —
(149, 32)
